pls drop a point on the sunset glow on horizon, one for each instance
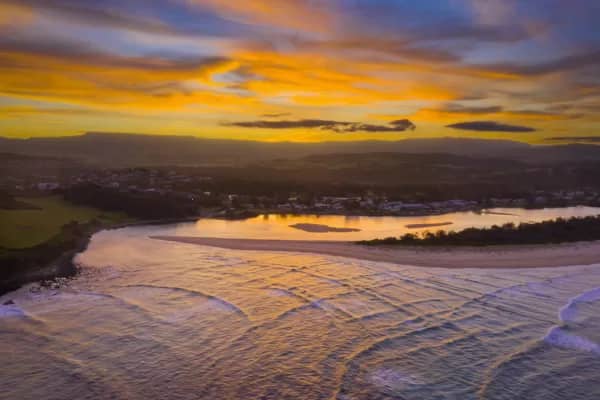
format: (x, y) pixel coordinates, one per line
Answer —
(302, 70)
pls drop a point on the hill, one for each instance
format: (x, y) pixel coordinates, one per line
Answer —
(121, 150)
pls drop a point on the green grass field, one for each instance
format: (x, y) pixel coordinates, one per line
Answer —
(25, 228)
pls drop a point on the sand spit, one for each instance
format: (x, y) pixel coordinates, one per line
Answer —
(319, 228)
(432, 225)
(526, 256)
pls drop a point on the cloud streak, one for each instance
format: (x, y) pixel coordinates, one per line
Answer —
(585, 139)
(400, 125)
(489, 126)
(462, 109)
(83, 53)
(82, 13)
(560, 64)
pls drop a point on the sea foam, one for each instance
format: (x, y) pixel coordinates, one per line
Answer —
(11, 311)
(569, 312)
(559, 335)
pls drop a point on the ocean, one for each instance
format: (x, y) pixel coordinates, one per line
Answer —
(151, 319)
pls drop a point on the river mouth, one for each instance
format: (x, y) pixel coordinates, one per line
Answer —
(154, 319)
(354, 228)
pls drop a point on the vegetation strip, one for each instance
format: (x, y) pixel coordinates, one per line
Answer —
(554, 231)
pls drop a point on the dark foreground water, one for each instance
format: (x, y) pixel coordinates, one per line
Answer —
(150, 319)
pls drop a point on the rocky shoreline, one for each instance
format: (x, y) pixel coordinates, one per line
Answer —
(48, 268)
(51, 268)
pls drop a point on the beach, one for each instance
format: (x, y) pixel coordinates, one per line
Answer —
(526, 256)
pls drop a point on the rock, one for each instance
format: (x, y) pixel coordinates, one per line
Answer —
(8, 303)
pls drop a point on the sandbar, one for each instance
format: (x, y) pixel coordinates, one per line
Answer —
(319, 228)
(524, 256)
(419, 226)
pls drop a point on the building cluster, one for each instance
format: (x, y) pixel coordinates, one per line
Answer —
(372, 205)
(141, 179)
(201, 190)
(549, 199)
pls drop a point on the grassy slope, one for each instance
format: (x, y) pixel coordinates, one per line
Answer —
(25, 228)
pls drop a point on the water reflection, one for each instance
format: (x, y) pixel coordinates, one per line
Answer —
(277, 226)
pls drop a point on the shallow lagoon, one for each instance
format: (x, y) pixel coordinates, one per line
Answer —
(275, 226)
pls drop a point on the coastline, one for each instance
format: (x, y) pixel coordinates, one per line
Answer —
(62, 265)
(501, 257)
(519, 256)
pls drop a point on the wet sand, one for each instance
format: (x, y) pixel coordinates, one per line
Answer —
(526, 256)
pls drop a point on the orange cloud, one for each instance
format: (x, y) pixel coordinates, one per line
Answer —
(139, 83)
(14, 15)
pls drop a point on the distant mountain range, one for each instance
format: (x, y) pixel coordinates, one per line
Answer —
(119, 150)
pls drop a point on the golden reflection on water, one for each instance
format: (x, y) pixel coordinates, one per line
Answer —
(277, 226)
(155, 319)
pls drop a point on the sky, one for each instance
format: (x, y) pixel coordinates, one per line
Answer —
(302, 70)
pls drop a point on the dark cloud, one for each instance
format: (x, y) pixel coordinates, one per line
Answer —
(445, 21)
(400, 125)
(303, 123)
(587, 139)
(91, 14)
(403, 123)
(534, 112)
(489, 126)
(453, 108)
(403, 48)
(562, 64)
(83, 53)
(479, 33)
(547, 113)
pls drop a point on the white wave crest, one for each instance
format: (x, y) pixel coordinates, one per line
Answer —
(569, 312)
(561, 338)
(392, 379)
(11, 311)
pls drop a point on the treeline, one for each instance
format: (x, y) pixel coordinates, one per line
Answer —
(554, 231)
(415, 178)
(279, 187)
(145, 205)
